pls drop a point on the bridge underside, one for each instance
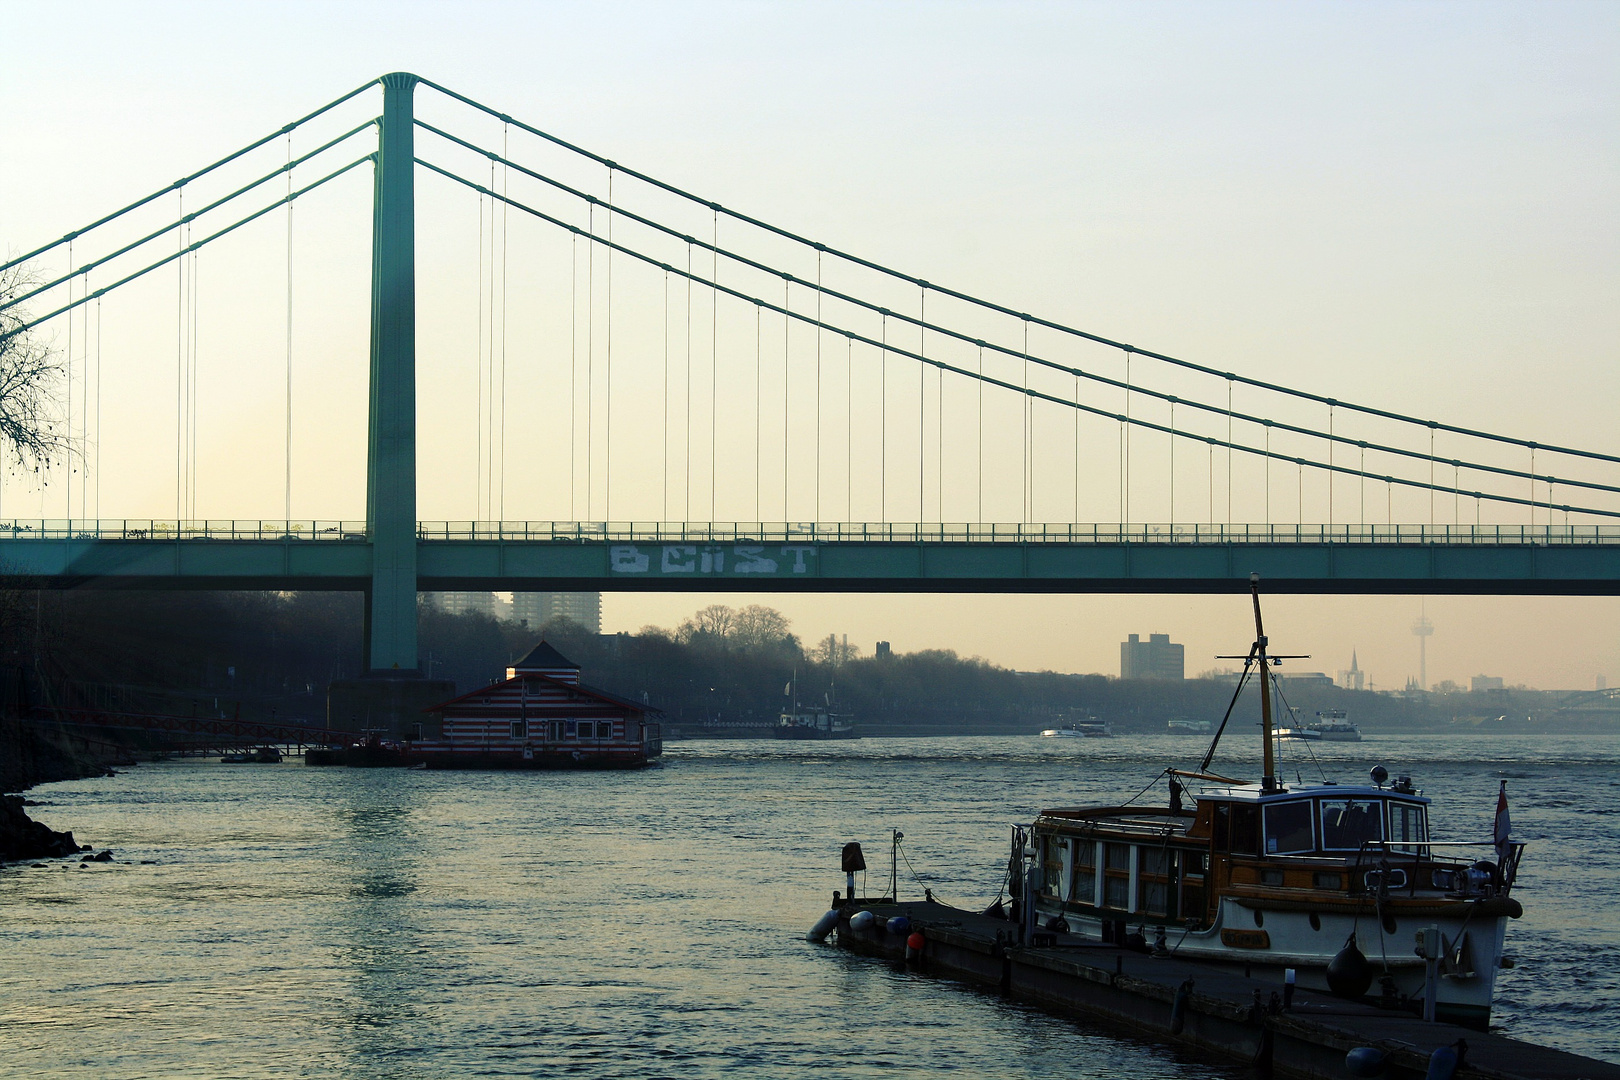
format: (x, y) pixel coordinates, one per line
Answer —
(826, 566)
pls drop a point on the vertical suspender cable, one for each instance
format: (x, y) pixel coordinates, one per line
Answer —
(978, 514)
(478, 423)
(179, 353)
(817, 501)
(688, 489)
(505, 206)
(69, 461)
(787, 324)
(664, 506)
(590, 361)
(288, 435)
(1126, 498)
(759, 441)
(1077, 449)
(1431, 478)
(1026, 422)
(714, 363)
(1330, 473)
(191, 467)
(883, 423)
(573, 370)
(922, 408)
(1172, 461)
(1268, 473)
(489, 401)
(1229, 449)
(607, 460)
(98, 409)
(849, 427)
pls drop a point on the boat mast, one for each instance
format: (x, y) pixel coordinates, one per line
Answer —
(1269, 769)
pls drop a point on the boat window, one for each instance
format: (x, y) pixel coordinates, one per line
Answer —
(1349, 824)
(1085, 872)
(1117, 876)
(570, 727)
(1408, 824)
(1288, 827)
(1155, 861)
(1154, 867)
(1052, 864)
(1246, 830)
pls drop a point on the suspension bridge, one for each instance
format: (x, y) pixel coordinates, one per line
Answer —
(903, 435)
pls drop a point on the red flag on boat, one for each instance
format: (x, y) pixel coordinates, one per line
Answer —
(1502, 825)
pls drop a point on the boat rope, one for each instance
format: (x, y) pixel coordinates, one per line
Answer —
(1248, 666)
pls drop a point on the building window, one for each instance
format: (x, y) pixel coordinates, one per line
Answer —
(520, 729)
(587, 729)
(569, 728)
(556, 730)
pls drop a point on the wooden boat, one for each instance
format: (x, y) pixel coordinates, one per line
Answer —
(1337, 881)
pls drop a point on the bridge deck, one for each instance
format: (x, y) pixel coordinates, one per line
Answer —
(1548, 560)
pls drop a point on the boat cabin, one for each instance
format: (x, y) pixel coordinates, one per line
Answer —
(1319, 841)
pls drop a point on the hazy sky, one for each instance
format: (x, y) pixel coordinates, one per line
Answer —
(1412, 205)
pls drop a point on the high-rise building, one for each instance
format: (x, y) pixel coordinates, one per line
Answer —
(471, 603)
(536, 609)
(1156, 658)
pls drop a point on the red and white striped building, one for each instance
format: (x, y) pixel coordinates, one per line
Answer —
(541, 717)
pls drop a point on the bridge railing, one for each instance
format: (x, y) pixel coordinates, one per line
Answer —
(788, 532)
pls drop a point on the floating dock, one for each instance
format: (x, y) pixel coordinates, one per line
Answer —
(1223, 1013)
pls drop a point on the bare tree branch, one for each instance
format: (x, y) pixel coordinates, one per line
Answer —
(31, 436)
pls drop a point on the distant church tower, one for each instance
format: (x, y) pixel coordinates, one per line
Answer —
(1355, 678)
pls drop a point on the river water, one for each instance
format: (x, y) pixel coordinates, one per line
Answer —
(277, 920)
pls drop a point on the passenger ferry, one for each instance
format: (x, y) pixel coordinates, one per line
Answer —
(1331, 726)
(1088, 728)
(813, 722)
(1333, 880)
(1189, 727)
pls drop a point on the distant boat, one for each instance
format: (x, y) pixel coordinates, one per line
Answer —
(267, 755)
(1089, 728)
(814, 722)
(1303, 734)
(1189, 727)
(1332, 726)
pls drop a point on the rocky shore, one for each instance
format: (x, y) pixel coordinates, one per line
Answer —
(27, 759)
(21, 837)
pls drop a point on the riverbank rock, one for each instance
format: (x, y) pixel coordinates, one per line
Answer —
(21, 837)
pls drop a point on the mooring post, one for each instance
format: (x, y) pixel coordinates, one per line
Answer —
(391, 453)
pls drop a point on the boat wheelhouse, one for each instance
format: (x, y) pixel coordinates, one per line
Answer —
(1333, 880)
(540, 717)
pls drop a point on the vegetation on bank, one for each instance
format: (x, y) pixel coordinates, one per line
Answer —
(265, 655)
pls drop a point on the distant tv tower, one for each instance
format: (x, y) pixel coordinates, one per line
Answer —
(1423, 628)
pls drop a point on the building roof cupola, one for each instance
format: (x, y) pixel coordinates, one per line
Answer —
(547, 661)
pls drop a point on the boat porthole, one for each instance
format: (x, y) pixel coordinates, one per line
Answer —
(1316, 921)
(1389, 924)
(1259, 917)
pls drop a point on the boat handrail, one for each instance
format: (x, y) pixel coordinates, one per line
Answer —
(1194, 775)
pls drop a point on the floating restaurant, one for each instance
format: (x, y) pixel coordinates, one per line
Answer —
(540, 717)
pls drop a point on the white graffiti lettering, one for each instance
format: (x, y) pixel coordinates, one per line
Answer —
(672, 552)
(750, 559)
(799, 552)
(625, 559)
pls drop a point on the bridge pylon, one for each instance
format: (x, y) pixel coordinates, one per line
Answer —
(391, 451)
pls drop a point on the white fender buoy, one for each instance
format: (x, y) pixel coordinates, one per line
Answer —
(823, 927)
(861, 920)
